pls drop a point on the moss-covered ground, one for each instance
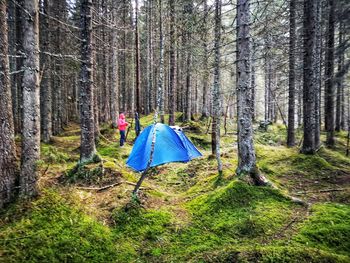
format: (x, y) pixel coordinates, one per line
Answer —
(187, 213)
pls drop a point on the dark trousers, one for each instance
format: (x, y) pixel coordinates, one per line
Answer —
(122, 138)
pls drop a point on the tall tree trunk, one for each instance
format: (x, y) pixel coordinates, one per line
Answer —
(291, 97)
(8, 166)
(205, 108)
(137, 58)
(31, 103)
(172, 62)
(150, 58)
(18, 112)
(114, 85)
(309, 85)
(329, 75)
(340, 89)
(246, 152)
(160, 93)
(252, 80)
(188, 108)
(215, 136)
(87, 145)
(45, 85)
(318, 75)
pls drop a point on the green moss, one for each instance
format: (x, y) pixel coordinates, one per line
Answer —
(52, 154)
(55, 230)
(270, 254)
(328, 228)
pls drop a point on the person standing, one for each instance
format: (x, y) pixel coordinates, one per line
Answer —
(122, 124)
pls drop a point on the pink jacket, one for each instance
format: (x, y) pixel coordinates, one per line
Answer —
(122, 123)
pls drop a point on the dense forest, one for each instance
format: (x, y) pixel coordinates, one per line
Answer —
(105, 106)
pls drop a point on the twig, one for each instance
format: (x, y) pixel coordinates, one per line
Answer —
(47, 168)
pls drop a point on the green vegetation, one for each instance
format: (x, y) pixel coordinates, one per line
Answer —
(187, 213)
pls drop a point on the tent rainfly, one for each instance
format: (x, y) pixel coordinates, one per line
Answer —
(169, 146)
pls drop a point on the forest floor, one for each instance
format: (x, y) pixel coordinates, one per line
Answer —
(188, 213)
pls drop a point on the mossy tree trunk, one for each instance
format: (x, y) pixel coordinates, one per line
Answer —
(246, 153)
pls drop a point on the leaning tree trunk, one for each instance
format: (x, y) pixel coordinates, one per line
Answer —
(329, 75)
(87, 145)
(309, 85)
(31, 104)
(216, 88)
(246, 151)
(291, 97)
(8, 166)
(172, 62)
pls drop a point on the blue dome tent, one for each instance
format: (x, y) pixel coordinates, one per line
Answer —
(168, 146)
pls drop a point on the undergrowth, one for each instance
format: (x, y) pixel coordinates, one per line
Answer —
(187, 212)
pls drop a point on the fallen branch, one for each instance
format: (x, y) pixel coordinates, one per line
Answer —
(99, 189)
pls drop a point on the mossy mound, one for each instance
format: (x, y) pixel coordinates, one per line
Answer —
(55, 230)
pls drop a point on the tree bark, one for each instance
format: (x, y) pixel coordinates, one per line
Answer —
(309, 85)
(329, 75)
(188, 107)
(318, 75)
(160, 93)
(291, 96)
(137, 58)
(114, 83)
(45, 84)
(217, 110)
(205, 109)
(246, 152)
(172, 62)
(31, 103)
(8, 166)
(87, 145)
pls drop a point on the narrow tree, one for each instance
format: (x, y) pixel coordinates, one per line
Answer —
(205, 109)
(246, 151)
(8, 166)
(87, 145)
(291, 97)
(309, 85)
(31, 104)
(137, 58)
(215, 136)
(160, 93)
(172, 62)
(188, 10)
(45, 84)
(114, 83)
(329, 75)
